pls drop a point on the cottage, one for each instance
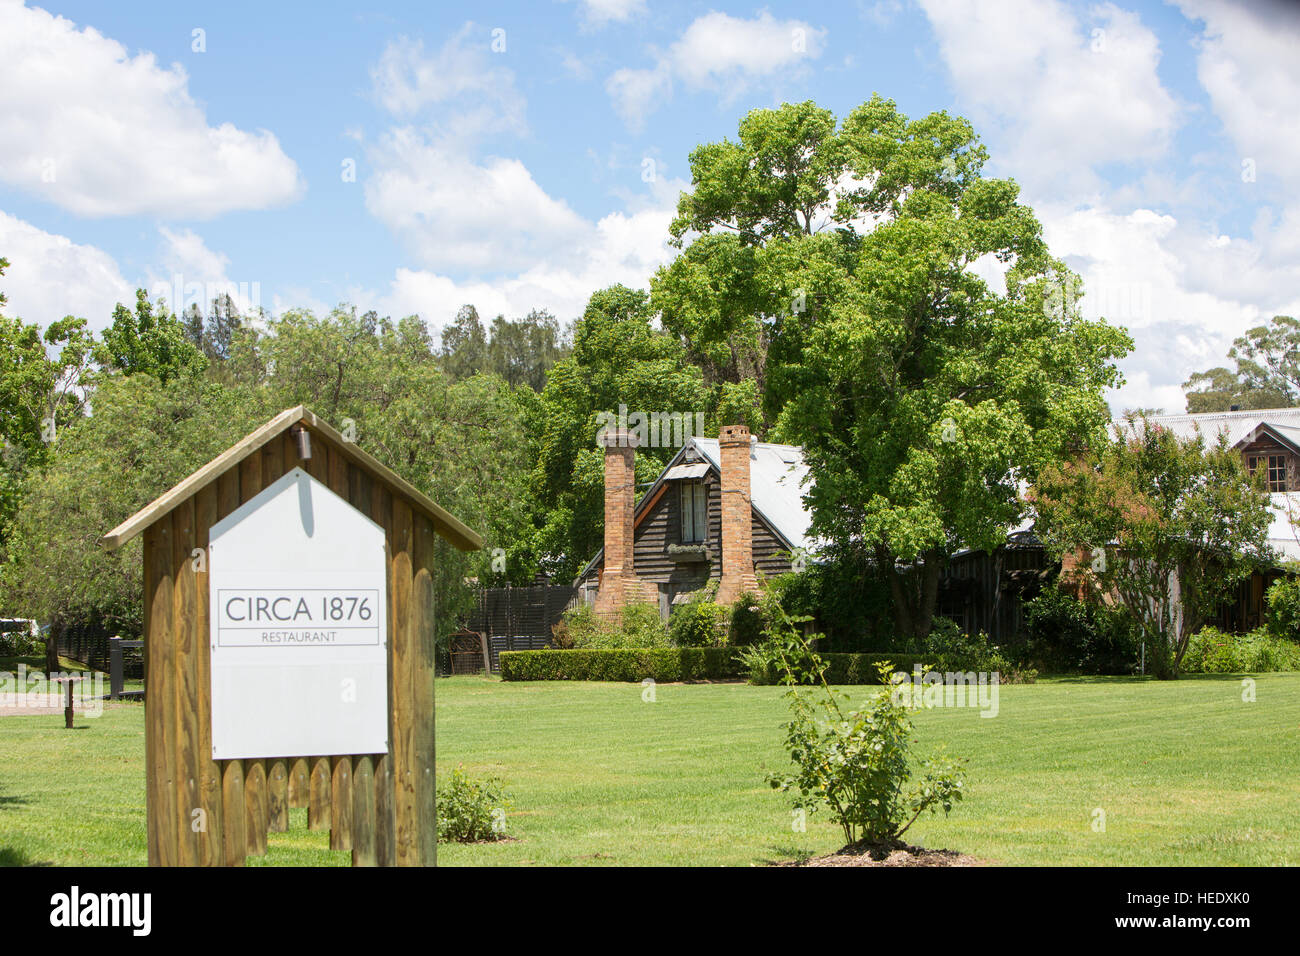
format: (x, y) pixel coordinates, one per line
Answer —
(723, 510)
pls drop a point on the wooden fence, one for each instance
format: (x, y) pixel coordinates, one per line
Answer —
(519, 618)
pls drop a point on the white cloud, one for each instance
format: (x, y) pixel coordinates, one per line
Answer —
(717, 52)
(1248, 66)
(600, 13)
(50, 276)
(455, 213)
(464, 87)
(1062, 97)
(189, 272)
(101, 133)
(637, 93)
(1182, 292)
(623, 247)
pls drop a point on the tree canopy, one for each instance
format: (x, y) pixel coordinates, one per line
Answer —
(1266, 373)
(837, 268)
(1167, 526)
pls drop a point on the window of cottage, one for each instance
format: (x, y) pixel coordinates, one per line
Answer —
(695, 511)
(1277, 473)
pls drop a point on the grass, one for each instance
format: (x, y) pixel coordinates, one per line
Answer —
(1185, 772)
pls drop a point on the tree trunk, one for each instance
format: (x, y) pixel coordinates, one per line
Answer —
(52, 648)
(915, 591)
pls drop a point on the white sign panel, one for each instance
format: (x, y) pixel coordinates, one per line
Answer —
(298, 587)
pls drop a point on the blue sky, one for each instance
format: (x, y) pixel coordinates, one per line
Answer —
(524, 155)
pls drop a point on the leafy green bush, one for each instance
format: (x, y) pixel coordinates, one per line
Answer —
(1211, 651)
(471, 811)
(1066, 635)
(621, 664)
(846, 594)
(639, 626)
(698, 623)
(748, 620)
(858, 764)
(19, 641)
(948, 648)
(1282, 609)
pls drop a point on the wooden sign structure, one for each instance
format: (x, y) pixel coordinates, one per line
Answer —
(204, 811)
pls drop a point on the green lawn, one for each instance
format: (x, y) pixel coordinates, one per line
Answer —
(1186, 772)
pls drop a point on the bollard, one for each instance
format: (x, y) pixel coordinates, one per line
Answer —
(67, 711)
(115, 667)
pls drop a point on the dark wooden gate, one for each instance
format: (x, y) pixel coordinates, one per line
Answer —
(519, 618)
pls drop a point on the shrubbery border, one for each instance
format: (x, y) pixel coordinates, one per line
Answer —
(664, 664)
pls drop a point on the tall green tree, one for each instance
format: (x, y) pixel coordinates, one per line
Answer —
(619, 359)
(1266, 374)
(522, 351)
(464, 344)
(1167, 526)
(42, 391)
(149, 339)
(842, 259)
(144, 436)
(759, 207)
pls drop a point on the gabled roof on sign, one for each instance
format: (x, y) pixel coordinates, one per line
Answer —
(447, 524)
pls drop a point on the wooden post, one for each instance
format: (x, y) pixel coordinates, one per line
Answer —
(234, 814)
(363, 811)
(67, 710)
(115, 680)
(160, 765)
(341, 804)
(277, 789)
(318, 803)
(256, 806)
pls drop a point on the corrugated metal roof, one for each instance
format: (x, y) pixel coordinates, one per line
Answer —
(1283, 533)
(677, 472)
(776, 486)
(1236, 425)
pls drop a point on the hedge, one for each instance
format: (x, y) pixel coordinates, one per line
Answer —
(664, 664)
(621, 664)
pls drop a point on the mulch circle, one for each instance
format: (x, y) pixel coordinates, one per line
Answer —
(898, 854)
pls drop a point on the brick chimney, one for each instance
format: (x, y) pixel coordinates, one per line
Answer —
(737, 515)
(618, 583)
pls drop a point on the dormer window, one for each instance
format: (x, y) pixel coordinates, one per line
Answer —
(695, 511)
(1276, 465)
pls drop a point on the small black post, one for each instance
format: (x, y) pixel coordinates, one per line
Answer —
(114, 667)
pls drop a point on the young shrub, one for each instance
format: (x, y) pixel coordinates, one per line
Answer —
(471, 811)
(1282, 609)
(639, 626)
(951, 649)
(857, 763)
(698, 623)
